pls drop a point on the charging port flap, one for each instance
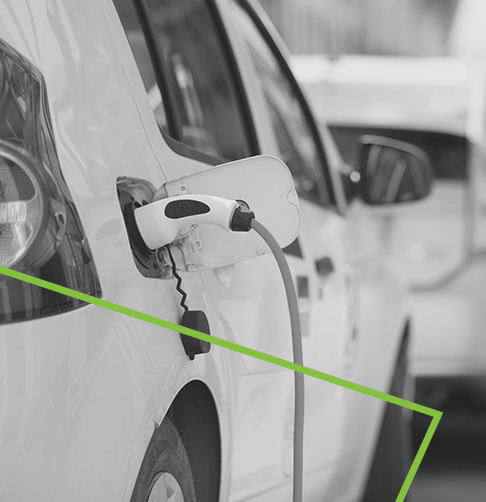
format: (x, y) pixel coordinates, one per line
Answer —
(264, 183)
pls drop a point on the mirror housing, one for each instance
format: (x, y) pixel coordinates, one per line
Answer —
(264, 183)
(392, 171)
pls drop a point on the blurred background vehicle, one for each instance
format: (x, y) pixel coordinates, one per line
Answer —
(467, 37)
(437, 104)
(398, 27)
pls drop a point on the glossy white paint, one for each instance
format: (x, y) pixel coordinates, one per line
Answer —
(81, 393)
(121, 394)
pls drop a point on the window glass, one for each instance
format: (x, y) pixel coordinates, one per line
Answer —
(199, 83)
(446, 151)
(292, 131)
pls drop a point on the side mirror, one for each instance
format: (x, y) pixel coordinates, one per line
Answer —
(264, 183)
(393, 171)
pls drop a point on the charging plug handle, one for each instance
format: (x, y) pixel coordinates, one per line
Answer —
(161, 221)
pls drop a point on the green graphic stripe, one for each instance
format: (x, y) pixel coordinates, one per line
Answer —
(420, 455)
(253, 353)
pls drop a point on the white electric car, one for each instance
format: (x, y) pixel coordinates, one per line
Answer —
(437, 104)
(104, 104)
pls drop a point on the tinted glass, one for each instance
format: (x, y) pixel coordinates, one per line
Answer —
(447, 152)
(294, 137)
(200, 83)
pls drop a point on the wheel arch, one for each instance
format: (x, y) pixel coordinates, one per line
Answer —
(195, 415)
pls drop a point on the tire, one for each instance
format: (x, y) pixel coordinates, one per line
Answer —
(393, 454)
(165, 474)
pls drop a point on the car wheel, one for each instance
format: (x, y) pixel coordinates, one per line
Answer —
(165, 474)
(393, 454)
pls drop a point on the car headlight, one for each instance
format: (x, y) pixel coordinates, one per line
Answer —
(40, 229)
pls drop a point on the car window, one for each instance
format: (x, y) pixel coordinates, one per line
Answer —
(446, 151)
(204, 109)
(296, 142)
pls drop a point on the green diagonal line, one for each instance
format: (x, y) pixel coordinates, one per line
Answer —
(420, 455)
(253, 353)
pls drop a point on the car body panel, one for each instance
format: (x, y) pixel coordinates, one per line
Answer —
(81, 393)
(81, 114)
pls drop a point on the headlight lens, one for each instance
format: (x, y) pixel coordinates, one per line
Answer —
(23, 205)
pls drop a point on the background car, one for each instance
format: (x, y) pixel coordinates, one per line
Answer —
(438, 105)
(104, 103)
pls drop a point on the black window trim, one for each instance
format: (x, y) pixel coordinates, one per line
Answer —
(173, 122)
(262, 28)
(150, 35)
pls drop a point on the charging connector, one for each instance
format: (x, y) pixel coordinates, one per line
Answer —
(164, 221)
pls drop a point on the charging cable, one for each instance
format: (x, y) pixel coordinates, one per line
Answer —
(165, 220)
(298, 468)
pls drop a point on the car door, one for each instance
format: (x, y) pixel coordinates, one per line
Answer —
(325, 281)
(195, 93)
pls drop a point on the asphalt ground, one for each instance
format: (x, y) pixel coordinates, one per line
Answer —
(454, 466)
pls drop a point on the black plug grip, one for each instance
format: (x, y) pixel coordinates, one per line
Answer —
(186, 207)
(242, 218)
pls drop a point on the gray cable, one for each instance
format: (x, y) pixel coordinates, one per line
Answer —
(298, 468)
